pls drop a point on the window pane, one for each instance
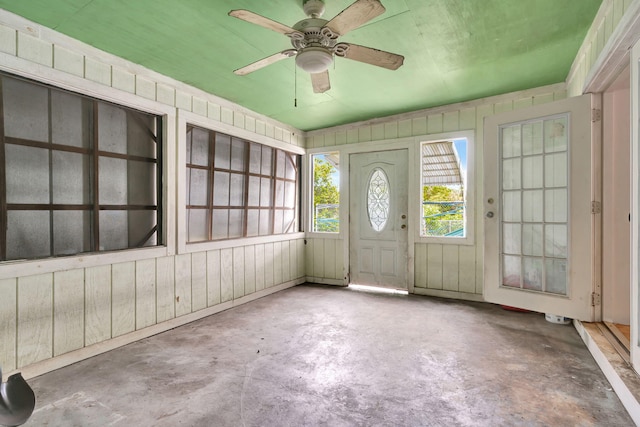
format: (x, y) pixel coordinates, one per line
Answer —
(279, 202)
(253, 226)
(26, 110)
(142, 183)
(71, 231)
(290, 166)
(112, 181)
(197, 187)
(267, 156)
(28, 234)
(237, 190)
(290, 195)
(112, 128)
(221, 189)
(114, 230)
(326, 192)
(197, 225)
(289, 221)
(236, 223)
(280, 163)
(253, 198)
(278, 219)
(220, 224)
(71, 118)
(265, 192)
(27, 174)
(140, 131)
(141, 224)
(222, 151)
(265, 222)
(237, 155)
(255, 157)
(71, 178)
(199, 147)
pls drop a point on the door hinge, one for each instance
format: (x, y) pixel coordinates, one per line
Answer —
(595, 299)
(596, 115)
(596, 207)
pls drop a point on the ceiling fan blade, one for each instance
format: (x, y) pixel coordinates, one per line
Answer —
(267, 23)
(265, 61)
(320, 82)
(360, 12)
(373, 56)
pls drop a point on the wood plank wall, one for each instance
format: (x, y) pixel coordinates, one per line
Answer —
(71, 309)
(440, 269)
(603, 26)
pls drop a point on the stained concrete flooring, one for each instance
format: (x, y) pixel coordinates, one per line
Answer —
(322, 356)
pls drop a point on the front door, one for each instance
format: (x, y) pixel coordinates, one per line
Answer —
(539, 227)
(378, 219)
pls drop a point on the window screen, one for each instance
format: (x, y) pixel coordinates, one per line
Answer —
(80, 175)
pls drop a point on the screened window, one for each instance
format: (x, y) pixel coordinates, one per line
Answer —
(238, 188)
(326, 192)
(444, 177)
(80, 175)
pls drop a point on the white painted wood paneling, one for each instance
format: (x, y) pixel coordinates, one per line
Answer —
(226, 274)
(35, 318)
(183, 284)
(8, 318)
(145, 293)
(68, 311)
(249, 269)
(434, 266)
(260, 267)
(420, 263)
(238, 272)
(123, 291)
(329, 258)
(213, 278)
(268, 265)
(98, 304)
(286, 261)
(277, 263)
(450, 267)
(165, 288)
(199, 295)
(467, 272)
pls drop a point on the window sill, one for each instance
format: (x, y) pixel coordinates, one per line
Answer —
(234, 243)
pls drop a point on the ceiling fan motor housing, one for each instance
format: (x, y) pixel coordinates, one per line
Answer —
(313, 8)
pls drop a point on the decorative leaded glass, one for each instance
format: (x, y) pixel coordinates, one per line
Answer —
(378, 198)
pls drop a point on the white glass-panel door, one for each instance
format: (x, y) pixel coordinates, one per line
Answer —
(538, 228)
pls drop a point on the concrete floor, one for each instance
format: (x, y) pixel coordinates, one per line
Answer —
(314, 356)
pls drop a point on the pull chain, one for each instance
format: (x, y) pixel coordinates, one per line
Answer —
(295, 86)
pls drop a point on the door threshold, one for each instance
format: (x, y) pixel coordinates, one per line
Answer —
(624, 380)
(380, 289)
(616, 339)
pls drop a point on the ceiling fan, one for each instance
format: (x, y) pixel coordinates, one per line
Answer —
(315, 40)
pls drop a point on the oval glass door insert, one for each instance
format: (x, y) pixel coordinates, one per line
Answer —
(378, 199)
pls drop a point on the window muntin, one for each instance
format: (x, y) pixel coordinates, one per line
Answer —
(443, 188)
(81, 175)
(326, 192)
(238, 188)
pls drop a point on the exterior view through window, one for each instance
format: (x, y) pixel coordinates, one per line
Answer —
(444, 179)
(78, 174)
(326, 193)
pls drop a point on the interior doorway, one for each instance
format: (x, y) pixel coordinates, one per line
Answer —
(616, 208)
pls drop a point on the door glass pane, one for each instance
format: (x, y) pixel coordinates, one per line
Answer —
(511, 174)
(555, 241)
(555, 135)
(555, 205)
(511, 141)
(532, 138)
(532, 239)
(532, 274)
(556, 276)
(532, 206)
(532, 172)
(511, 271)
(511, 239)
(511, 208)
(555, 170)
(378, 199)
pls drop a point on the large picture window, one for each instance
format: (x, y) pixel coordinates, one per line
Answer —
(78, 174)
(238, 188)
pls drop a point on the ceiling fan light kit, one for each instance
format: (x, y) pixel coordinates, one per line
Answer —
(315, 40)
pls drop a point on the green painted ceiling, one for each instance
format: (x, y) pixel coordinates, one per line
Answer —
(455, 50)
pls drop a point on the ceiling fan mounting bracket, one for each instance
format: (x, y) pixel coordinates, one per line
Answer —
(313, 8)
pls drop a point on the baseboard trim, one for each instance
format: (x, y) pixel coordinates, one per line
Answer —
(57, 362)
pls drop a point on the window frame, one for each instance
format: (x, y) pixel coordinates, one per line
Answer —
(470, 214)
(187, 118)
(79, 86)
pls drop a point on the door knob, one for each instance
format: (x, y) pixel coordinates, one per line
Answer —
(489, 214)
(403, 226)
